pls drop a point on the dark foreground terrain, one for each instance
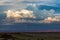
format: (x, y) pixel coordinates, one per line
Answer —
(30, 36)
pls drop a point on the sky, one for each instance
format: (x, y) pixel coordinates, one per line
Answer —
(14, 2)
(28, 10)
(22, 4)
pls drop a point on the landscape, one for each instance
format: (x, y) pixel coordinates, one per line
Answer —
(30, 36)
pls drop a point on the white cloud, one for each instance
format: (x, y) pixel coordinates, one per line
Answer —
(18, 15)
(46, 13)
(14, 16)
(50, 20)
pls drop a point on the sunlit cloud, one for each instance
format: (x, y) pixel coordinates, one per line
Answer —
(23, 15)
(49, 20)
(19, 16)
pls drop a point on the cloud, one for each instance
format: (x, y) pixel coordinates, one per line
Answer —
(46, 1)
(28, 16)
(20, 14)
(46, 13)
(20, 1)
(17, 15)
(40, 0)
(50, 20)
(23, 15)
(19, 4)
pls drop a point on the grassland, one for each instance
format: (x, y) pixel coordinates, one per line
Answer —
(30, 36)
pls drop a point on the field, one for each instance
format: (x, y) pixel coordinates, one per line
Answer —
(30, 36)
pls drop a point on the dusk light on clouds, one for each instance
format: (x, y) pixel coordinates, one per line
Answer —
(36, 13)
(20, 9)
